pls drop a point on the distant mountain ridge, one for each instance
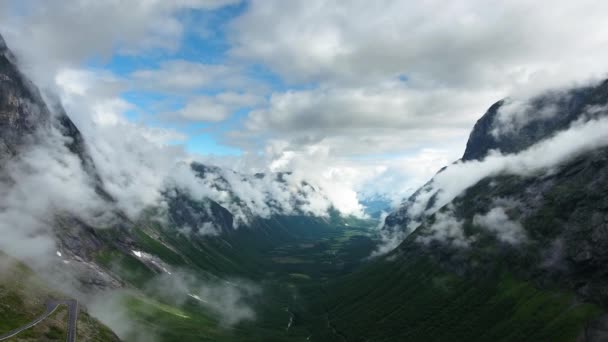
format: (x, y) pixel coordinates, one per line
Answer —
(27, 119)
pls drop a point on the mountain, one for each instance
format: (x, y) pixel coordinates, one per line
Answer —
(501, 245)
(509, 243)
(20, 105)
(218, 256)
(533, 120)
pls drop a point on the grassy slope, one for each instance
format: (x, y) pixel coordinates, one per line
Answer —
(23, 297)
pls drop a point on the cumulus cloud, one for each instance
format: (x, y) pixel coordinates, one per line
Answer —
(138, 163)
(394, 76)
(376, 84)
(356, 78)
(386, 118)
(67, 33)
(182, 76)
(215, 108)
(462, 44)
(446, 229)
(498, 222)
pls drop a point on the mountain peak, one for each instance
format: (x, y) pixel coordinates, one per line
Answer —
(2, 44)
(5, 51)
(513, 125)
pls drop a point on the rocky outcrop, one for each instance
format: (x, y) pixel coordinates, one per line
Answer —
(27, 120)
(25, 117)
(22, 110)
(511, 126)
(202, 217)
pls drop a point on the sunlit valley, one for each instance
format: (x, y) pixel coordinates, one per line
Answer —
(227, 170)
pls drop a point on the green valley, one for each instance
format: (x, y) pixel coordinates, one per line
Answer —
(316, 282)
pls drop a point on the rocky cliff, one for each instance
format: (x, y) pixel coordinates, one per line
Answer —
(550, 225)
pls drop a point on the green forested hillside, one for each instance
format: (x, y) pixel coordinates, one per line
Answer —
(319, 285)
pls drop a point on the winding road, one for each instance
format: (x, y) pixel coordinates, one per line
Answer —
(51, 306)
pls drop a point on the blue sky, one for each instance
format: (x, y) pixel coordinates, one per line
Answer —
(354, 90)
(204, 41)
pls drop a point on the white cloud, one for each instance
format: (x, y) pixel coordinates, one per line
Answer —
(398, 76)
(136, 163)
(204, 108)
(446, 229)
(42, 182)
(581, 137)
(465, 44)
(273, 194)
(132, 160)
(384, 93)
(388, 118)
(498, 222)
(515, 113)
(49, 35)
(181, 76)
(215, 108)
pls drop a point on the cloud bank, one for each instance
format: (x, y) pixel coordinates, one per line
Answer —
(373, 81)
(583, 135)
(498, 222)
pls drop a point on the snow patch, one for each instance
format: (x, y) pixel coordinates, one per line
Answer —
(197, 298)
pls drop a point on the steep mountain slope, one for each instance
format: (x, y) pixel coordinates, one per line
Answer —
(20, 108)
(511, 125)
(517, 254)
(216, 259)
(507, 245)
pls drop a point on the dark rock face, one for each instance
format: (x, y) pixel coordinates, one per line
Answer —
(539, 118)
(481, 140)
(26, 120)
(24, 114)
(564, 213)
(185, 212)
(561, 108)
(22, 110)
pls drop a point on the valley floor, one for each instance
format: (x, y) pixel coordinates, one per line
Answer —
(312, 280)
